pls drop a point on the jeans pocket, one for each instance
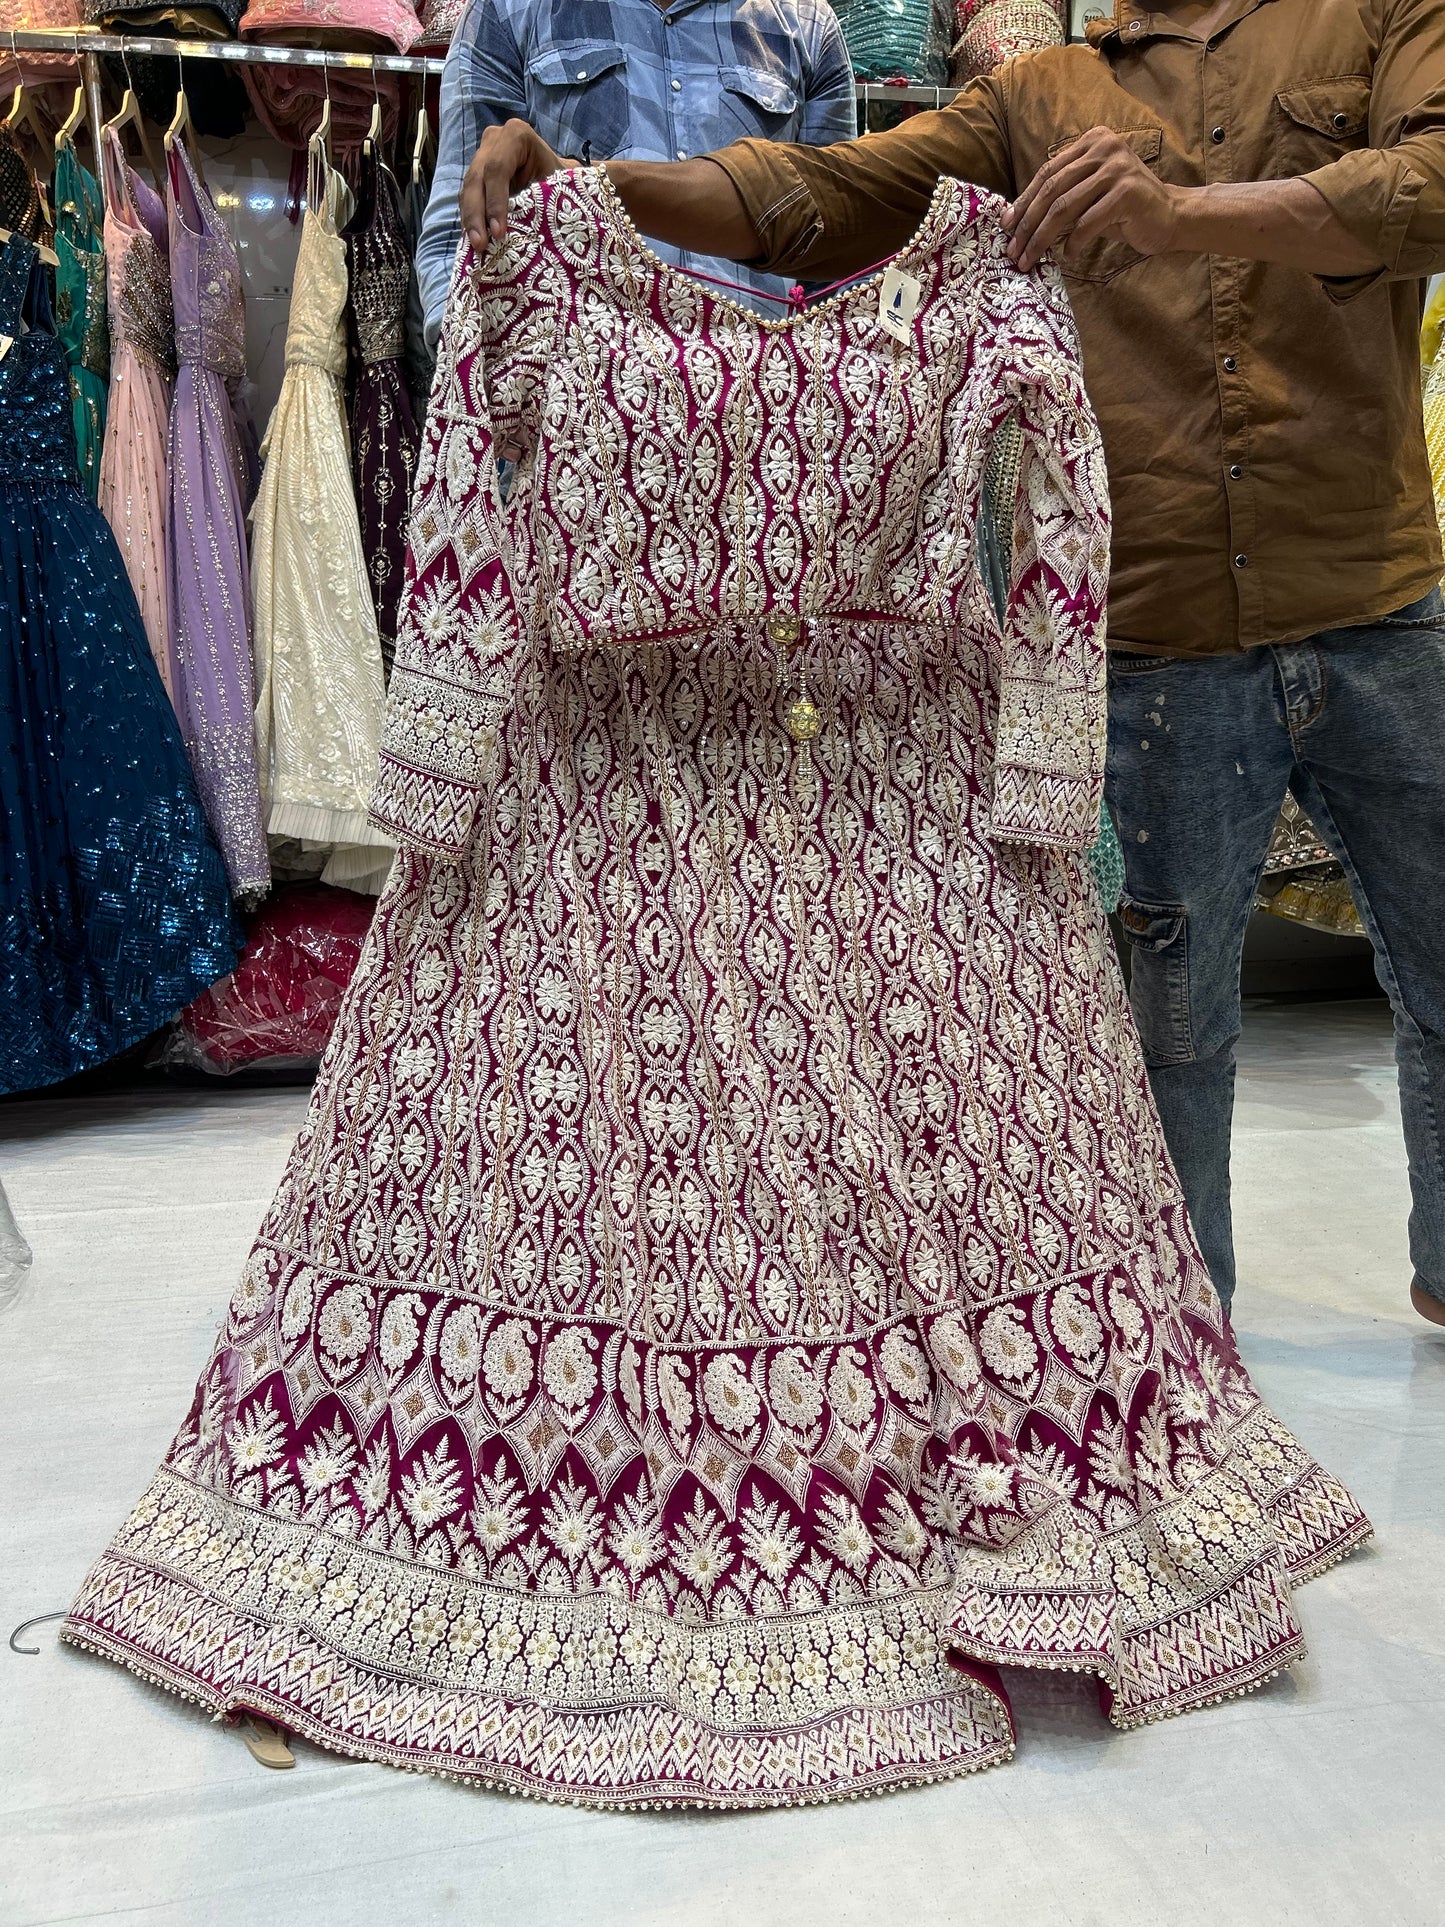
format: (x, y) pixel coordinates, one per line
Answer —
(1123, 664)
(1158, 938)
(1427, 613)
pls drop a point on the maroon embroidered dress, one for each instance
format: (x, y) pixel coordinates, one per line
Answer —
(729, 1289)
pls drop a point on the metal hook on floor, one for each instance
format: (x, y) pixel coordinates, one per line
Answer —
(40, 1619)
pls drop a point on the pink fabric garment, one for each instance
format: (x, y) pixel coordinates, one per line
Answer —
(54, 76)
(730, 1290)
(288, 103)
(288, 100)
(133, 479)
(439, 22)
(350, 23)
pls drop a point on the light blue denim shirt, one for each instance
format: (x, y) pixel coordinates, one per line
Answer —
(623, 80)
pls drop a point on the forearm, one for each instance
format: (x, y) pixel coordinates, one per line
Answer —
(1288, 222)
(686, 204)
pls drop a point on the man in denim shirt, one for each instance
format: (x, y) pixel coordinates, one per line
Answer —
(610, 79)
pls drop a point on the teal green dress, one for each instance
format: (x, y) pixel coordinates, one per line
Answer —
(80, 312)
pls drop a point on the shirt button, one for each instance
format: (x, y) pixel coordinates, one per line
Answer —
(1342, 121)
(1236, 473)
(682, 153)
(1216, 134)
(677, 86)
(1241, 562)
(1230, 364)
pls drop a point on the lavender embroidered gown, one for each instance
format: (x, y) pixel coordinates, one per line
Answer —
(209, 593)
(729, 1292)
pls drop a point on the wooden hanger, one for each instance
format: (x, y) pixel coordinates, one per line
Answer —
(182, 124)
(65, 134)
(130, 116)
(25, 114)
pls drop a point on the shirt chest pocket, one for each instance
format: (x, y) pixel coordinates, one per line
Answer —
(753, 101)
(1101, 260)
(1316, 121)
(577, 91)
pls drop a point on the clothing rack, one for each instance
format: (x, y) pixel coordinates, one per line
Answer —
(86, 43)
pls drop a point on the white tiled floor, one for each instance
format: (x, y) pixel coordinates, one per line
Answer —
(1316, 1801)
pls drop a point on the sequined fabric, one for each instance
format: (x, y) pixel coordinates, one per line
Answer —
(319, 689)
(19, 197)
(730, 1290)
(383, 427)
(133, 486)
(114, 910)
(992, 31)
(207, 564)
(896, 39)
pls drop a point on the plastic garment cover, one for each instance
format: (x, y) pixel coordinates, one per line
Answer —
(276, 1009)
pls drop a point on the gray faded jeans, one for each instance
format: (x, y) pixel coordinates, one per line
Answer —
(1200, 754)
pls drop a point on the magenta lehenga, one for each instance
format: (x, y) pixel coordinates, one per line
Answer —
(729, 1293)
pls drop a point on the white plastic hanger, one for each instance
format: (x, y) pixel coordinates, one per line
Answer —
(421, 144)
(318, 154)
(373, 133)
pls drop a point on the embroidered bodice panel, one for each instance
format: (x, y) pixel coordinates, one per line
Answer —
(682, 466)
(210, 303)
(316, 332)
(380, 269)
(138, 271)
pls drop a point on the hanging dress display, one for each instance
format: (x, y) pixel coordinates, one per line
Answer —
(114, 910)
(730, 1291)
(207, 569)
(80, 289)
(143, 364)
(319, 688)
(383, 427)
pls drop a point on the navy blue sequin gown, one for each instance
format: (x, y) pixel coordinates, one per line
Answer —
(114, 907)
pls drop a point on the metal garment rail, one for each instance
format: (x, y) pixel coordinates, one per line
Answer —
(85, 43)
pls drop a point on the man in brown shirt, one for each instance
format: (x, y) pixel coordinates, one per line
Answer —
(1245, 197)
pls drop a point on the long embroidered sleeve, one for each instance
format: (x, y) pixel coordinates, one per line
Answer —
(461, 617)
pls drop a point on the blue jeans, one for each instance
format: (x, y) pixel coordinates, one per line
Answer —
(1352, 721)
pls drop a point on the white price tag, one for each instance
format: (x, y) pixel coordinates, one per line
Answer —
(898, 300)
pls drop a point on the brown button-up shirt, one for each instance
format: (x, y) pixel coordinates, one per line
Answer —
(1263, 427)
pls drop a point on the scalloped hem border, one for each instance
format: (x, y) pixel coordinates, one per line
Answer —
(1245, 1679)
(489, 1778)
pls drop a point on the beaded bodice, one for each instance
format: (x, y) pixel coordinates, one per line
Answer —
(80, 278)
(37, 439)
(683, 466)
(19, 198)
(206, 288)
(137, 266)
(316, 332)
(380, 265)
